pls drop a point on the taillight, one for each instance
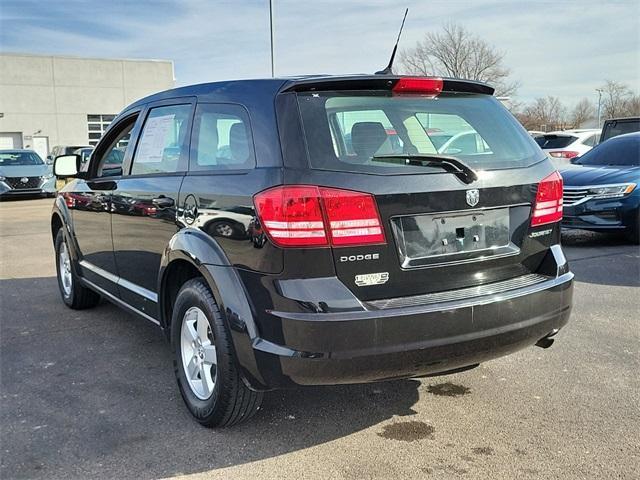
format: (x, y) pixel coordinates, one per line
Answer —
(306, 216)
(353, 217)
(564, 154)
(418, 86)
(292, 216)
(548, 206)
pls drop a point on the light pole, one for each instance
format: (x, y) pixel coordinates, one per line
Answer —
(271, 32)
(599, 90)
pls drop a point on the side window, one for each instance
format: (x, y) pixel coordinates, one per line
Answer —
(452, 135)
(222, 138)
(110, 162)
(162, 147)
(592, 141)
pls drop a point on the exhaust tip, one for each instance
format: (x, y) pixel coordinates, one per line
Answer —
(545, 342)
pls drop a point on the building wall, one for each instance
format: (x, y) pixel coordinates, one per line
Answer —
(54, 94)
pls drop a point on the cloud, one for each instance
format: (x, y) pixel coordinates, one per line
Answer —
(554, 48)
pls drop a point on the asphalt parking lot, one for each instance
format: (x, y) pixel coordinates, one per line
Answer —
(91, 394)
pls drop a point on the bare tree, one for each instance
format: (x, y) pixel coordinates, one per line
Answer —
(615, 99)
(582, 112)
(546, 114)
(633, 106)
(456, 52)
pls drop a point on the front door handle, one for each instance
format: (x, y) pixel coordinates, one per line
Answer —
(163, 202)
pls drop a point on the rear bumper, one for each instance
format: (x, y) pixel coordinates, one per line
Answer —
(367, 346)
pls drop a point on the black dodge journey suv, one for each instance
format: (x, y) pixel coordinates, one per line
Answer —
(316, 231)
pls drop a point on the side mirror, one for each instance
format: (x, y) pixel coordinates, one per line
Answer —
(575, 160)
(67, 166)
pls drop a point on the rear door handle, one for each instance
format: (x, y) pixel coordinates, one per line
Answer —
(163, 202)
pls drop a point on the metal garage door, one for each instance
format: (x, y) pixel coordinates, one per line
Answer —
(10, 140)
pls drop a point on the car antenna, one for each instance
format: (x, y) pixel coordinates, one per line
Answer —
(388, 71)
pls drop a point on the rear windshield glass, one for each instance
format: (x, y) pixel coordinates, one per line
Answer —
(618, 151)
(348, 131)
(9, 159)
(620, 127)
(555, 141)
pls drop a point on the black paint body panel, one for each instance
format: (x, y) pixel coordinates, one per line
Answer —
(296, 315)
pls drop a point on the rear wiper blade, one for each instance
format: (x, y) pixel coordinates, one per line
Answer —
(449, 163)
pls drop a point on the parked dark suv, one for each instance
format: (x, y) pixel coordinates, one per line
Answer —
(346, 260)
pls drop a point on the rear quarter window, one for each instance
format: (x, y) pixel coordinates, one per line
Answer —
(221, 138)
(350, 130)
(592, 140)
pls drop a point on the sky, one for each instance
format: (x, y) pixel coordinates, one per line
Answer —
(561, 48)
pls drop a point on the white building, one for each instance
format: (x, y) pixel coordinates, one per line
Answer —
(59, 100)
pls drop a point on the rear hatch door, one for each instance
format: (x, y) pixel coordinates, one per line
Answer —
(443, 230)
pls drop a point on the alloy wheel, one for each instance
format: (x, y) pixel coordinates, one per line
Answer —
(199, 359)
(64, 265)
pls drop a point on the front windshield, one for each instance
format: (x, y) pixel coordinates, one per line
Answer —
(347, 130)
(13, 159)
(623, 150)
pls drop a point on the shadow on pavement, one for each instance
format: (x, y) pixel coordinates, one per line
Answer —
(21, 197)
(585, 238)
(92, 394)
(582, 248)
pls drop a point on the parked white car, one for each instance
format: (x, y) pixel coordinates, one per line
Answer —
(567, 144)
(465, 143)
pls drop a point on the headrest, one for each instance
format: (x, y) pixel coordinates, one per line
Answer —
(367, 138)
(239, 143)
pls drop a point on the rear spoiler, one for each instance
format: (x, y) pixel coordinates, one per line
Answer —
(377, 82)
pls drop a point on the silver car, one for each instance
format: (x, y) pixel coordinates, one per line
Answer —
(22, 172)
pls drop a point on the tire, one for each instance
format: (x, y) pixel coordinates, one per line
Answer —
(214, 392)
(74, 294)
(633, 229)
(633, 236)
(224, 229)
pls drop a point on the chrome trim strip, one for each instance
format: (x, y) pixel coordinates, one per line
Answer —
(421, 309)
(513, 252)
(587, 187)
(119, 302)
(577, 190)
(121, 282)
(138, 290)
(461, 212)
(458, 294)
(99, 271)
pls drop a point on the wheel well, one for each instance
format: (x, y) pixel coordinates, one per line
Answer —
(177, 274)
(56, 224)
